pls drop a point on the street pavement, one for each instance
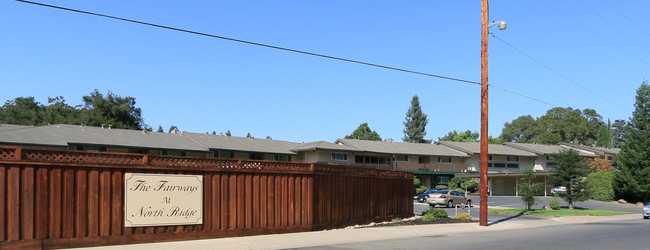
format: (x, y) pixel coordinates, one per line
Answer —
(358, 237)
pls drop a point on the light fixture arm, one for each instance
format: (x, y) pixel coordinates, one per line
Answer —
(502, 24)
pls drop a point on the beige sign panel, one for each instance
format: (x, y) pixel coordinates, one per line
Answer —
(162, 200)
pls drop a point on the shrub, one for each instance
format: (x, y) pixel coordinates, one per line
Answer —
(397, 220)
(471, 185)
(463, 216)
(554, 203)
(600, 186)
(441, 187)
(434, 213)
(421, 189)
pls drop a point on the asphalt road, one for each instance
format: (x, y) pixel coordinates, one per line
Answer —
(631, 234)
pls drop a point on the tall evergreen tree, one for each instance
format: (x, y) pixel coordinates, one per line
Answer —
(569, 171)
(604, 138)
(363, 132)
(160, 129)
(415, 123)
(618, 133)
(633, 179)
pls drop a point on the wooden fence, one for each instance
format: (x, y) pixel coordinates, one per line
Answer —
(55, 199)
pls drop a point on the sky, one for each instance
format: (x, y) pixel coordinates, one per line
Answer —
(578, 54)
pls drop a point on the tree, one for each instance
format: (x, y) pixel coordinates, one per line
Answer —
(569, 171)
(633, 179)
(58, 112)
(22, 111)
(467, 136)
(363, 132)
(415, 123)
(111, 109)
(597, 164)
(618, 133)
(160, 129)
(528, 188)
(523, 129)
(228, 133)
(604, 138)
(172, 128)
(248, 135)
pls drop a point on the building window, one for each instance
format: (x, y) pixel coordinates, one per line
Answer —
(602, 157)
(609, 158)
(224, 154)
(498, 165)
(92, 148)
(444, 159)
(138, 151)
(256, 156)
(401, 158)
(423, 159)
(443, 180)
(281, 157)
(512, 158)
(340, 156)
(172, 152)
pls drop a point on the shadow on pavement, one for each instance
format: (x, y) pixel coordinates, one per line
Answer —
(505, 219)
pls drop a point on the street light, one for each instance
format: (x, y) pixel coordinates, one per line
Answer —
(483, 158)
(502, 24)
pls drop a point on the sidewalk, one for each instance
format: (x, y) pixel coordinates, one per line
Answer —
(340, 236)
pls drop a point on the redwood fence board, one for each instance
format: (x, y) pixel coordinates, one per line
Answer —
(59, 198)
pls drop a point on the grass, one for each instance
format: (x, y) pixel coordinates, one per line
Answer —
(557, 213)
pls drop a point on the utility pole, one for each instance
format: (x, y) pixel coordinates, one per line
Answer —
(483, 157)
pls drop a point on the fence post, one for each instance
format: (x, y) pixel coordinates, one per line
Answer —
(239, 164)
(18, 154)
(145, 160)
(311, 167)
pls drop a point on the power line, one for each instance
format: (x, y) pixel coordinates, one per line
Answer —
(596, 34)
(628, 19)
(284, 49)
(253, 43)
(614, 26)
(558, 73)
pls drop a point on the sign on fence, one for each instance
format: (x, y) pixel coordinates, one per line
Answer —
(162, 199)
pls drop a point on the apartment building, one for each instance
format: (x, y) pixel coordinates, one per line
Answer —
(435, 164)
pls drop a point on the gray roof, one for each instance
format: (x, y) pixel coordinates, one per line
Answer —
(323, 145)
(542, 149)
(62, 135)
(243, 144)
(613, 151)
(385, 147)
(493, 149)
(4, 127)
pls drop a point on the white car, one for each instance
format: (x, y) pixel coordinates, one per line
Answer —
(558, 189)
(646, 211)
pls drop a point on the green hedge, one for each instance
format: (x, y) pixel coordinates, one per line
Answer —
(599, 185)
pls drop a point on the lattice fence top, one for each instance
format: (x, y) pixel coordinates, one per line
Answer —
(62, 157)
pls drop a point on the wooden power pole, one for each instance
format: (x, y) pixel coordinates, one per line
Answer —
(483, 158)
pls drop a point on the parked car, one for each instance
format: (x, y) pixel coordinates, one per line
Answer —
(423, 197)
(646, 211)
(447, 198)
(558, 189)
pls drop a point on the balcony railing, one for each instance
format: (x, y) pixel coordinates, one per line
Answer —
(430, 167)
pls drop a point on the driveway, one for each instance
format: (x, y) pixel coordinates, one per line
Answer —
(515, 202)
